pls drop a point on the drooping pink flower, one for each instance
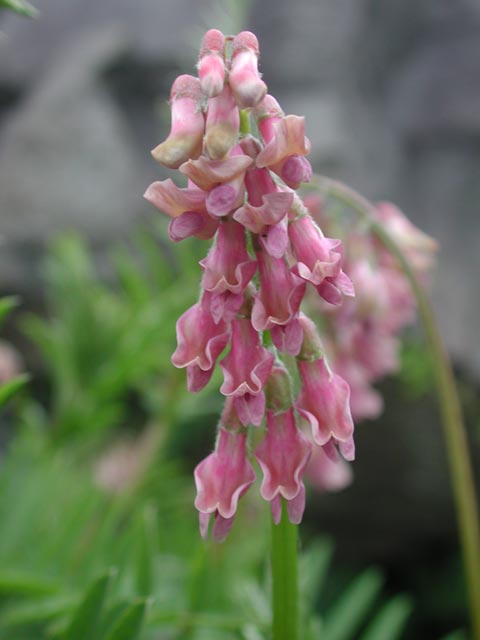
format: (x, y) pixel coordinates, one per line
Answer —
(228, 266)
(211, 63)
(200, 341)
(283, 456)
(288, 338)
(188, 124)
(317, 257)
(286, 144)
(333, 289)
(186, 207)
(328, 471)
(222, 306)
(222, 125)
(248, 364)
(245, 80)
(280, 294)
(221, 479)
(324, 402)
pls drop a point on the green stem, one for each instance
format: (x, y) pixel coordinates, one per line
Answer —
(284, 579)
(461, 473)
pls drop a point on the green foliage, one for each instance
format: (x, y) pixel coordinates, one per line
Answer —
(22, 7)
(10, 388)
(109, 341)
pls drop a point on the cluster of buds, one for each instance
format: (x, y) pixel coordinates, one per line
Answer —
(267, 251)
(363, 336)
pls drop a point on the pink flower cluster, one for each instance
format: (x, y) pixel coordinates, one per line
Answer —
(267, 250)
(362, 338)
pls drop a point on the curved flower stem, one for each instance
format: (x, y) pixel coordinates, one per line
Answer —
(461, 474)
(284, 579)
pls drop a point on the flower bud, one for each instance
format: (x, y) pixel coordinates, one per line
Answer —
(247, 85)
(211, 63)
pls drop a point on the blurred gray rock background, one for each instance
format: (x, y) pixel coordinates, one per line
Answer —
(391, 91)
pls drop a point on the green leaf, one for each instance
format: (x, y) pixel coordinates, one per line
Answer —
(390, 621)
(10, 388)
(8, 303)
(20, 6)
(22, 584)
(129, 624)
(36, 612)
(343, 619)
(85, 619)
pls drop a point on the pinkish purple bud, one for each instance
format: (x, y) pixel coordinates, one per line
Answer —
(222, 126)
(295, 170)
(211, 63)
(245, 80)
(248, 364)
(228, 266)
(317, 257)
(332, 290)
(200, 340)
(283, 456)
(268, 114)
(280, 295)
(221, 479)
(324, 402)
(188, 124)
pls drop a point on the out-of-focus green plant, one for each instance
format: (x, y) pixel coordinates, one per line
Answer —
(19, 6)
(79, 563)
(10, 388)
(108, 342)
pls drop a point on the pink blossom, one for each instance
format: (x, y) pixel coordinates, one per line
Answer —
(188, 124)
(332, 290)
(200, 341)
(317, 257)
(324, 402)
(283, 456)
(247, 85)
(211, 63)
(288, 338)
(207, 174)
(228, 266)
(280, 294)
(248, 364)
(221, 480)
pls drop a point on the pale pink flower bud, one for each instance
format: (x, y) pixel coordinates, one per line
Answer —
(328, 471)
(324, 402)
(211, 63)
(283, 456)
(188, 124)
(200, 342)
(317, 257)
(248, 364)
(228, 266)
(245, 80)
(280, 295)
(222, 126)
(221, 479)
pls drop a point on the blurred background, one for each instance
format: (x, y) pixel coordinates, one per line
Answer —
(391, 94)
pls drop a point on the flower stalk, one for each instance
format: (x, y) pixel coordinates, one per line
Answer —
(284, 578)
(461, 473)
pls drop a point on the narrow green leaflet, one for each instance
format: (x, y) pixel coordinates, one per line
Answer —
(390, 621)
(129, 624)
(10, 388)
(85, 620)
(343, 619)
(19, 6)
(8, 303)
